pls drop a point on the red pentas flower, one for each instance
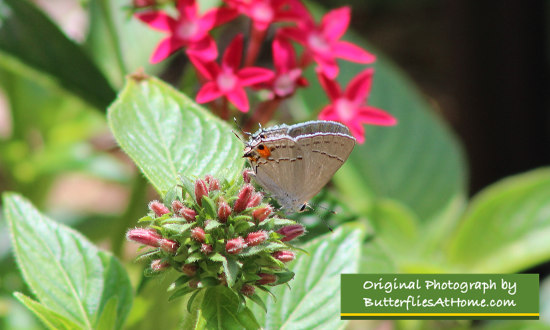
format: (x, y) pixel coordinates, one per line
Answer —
(264, 12)
(349, 107)
(228, 80)
(288, 76)
(188, 30)
(323, 44)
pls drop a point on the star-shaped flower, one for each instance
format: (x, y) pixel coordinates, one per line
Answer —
(323, 44)
(188, 30)
(228, 80)
(265, 12)
(349, 107)
(288, 76)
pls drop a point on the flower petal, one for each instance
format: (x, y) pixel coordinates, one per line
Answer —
(284, 57)
(330, 86)
(329, 113)
(216, 17)
(374, 116)
(335, 23)
(188, 9)
(208, 92)
(157, 20)
(294, 11)
(208, 70)
(359, 87)
(205, 49)
(357, 130)
(253, 75)
(327, 66)
(239, 99)
(233, 53)
(351, 52)
(164, 49)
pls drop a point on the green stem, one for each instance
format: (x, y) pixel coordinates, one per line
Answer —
(135, 209)
(113, 37)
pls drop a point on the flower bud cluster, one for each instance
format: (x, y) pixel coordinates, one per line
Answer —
(217, 232)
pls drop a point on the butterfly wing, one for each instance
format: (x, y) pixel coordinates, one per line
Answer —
(282, 173)
(326, 153)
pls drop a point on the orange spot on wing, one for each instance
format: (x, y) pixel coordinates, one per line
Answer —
(264, 153)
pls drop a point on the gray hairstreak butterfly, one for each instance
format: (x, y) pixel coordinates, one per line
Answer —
(295, 162)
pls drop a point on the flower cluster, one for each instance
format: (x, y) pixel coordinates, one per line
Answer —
(291, 22)
(217, 233)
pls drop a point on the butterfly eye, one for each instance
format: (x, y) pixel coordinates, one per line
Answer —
(261, 147)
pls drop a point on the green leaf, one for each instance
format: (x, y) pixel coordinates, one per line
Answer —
(65, 271)
(51, 319)
(313, 302)
(108, 317)
(375, 259)
(177, 228)
(181, 292)
(231, 268)
(24, 29)
(266, 246)
(396, 227)
(506, 227)
(212, 224)
(167, 134)
(220, 309)
(209, 207)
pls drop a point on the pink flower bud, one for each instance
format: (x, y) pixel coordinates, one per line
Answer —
(242, 200)
(198, 234)
(266, 279)
(284, 256)
(159, 208)
(169, 245)
(235, 245)
(144, 236)
(291, 232)
(262, 213)
(206, 249)
(189, 270)
(256, 238)
(247, 289)
(255, 200)
(188, 214)
(224, 210)
(200, 190)
(247, 174)
(159, 265)
(213, 183)
(177, 206)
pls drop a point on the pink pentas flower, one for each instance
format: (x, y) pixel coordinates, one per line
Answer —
(349, 107)
(322, 42)
(189, 30)
(265, 12)
(288, 76)
(228, 80)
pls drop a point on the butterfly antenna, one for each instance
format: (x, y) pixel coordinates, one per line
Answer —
(244, 132)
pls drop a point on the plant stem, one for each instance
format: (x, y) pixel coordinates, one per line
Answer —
(256, 39)
(113, 37)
